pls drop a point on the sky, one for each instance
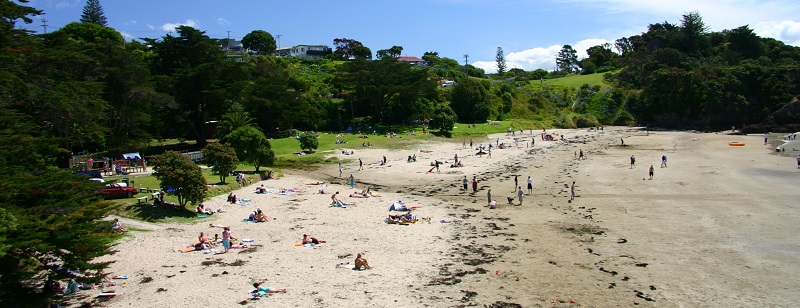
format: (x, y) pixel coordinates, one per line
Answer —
(530, 32)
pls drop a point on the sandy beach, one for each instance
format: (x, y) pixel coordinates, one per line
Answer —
(716, 227)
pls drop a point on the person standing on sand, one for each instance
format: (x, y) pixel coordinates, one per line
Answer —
(474, 184)
(489, 152)
(360, 164)
(798, 161)
(519, 194)
(664, 161)
(652, 170)
(572, 192)
(765, 139)
(516, 182)
(530, 186)
(465, 181)
(470, 143)
(622, 141)
(384, 160)
(633, 162)
(489, 197)
(580, 155)
(352, 181)
(340, 170)
(226, 239)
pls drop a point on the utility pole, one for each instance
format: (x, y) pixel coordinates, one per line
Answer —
(466, 62)
(228, 41)
(44, 25)
(279, 43)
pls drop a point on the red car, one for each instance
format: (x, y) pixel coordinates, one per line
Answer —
(115, 190)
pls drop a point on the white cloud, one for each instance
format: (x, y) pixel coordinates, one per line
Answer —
(66, 4)
(127, 36)
(130, 22)
(223, 22)
(151, 27)
(787, 31)
(539, 57)
(171, 26)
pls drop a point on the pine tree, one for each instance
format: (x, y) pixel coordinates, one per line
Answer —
(93, 13)
(501, 62)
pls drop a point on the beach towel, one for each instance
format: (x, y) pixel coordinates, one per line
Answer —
(202, 216)
(106, 294)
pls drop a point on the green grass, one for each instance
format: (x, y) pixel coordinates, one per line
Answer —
(129, 207)
(463, 130)
(574, 81)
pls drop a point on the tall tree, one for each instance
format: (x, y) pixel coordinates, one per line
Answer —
(93, 13)
(600, 54)
(344, 48)
(693, 34)
(470, 100)
(567, 59)
(431, 58)
(251, 145)
(260, 41)
(501, 61)
(221, 158)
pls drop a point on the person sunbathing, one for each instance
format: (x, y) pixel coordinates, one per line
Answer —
(265, 290)
(408, 218)
(261, 189)
(361, 263)
(307, 239)
(260, 216)
(201, 209)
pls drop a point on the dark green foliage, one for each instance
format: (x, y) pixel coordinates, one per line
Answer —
(500, 58)
(251, 145)
(221, 158)
(93, 13)
(308, 142)
(177, 172)
(567, 59)
(260, 41)
(444, 118)
(470, 100)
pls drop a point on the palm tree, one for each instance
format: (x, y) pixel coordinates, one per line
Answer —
(235, 118)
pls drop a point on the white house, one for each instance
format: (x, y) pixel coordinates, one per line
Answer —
(305, 51)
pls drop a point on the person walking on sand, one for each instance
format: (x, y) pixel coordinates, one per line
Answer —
(519, 194)
(470, 143)
(360, 164)
(465, 181)
(340, 170)
(798, 161)
(622, 141)
(474, 184)
(633, 162)
(580, 155)
(530, 186)
(489, 152)
(572, 192)
(664, 161)
(652, 170)
(352, 181)
(489, 197)
(765, 139)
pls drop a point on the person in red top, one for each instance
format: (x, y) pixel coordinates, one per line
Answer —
(474, 184)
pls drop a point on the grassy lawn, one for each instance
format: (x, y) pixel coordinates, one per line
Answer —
(129, 207)
(574, 81)
(286, 149)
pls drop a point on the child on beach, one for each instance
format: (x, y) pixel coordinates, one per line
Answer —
(652, 170)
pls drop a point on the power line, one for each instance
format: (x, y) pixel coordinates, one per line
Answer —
(44, 25)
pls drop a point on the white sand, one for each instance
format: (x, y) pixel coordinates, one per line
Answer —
(718, 227)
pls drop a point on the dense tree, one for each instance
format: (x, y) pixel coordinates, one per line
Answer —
(600, 55)
(221, 158)
(431, 58)
(260, 41)
(389, 91)
(181, 176)
(470, 100)
(500, 58)
(343, 48)
(235, 118)
(393, 52)
(745, 42)
(693, 32)
(252, 146)
(444, 118)
(308, 142)
(93, 13)
(362, 53)
(567, 59)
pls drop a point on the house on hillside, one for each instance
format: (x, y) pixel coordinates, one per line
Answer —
(411, 60)
(305, 51)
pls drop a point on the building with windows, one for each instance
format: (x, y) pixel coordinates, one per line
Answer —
(305, 51)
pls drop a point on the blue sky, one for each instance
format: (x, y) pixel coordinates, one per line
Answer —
(530, 32)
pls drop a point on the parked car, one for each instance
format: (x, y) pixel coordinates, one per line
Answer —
(118, 190)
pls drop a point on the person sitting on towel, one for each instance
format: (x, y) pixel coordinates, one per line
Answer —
(201, 209)
(408, 218)
(261, 189)
(336, 200)
(361, 263)
(260, 216)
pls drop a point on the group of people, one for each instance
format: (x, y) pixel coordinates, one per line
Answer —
(257, 216)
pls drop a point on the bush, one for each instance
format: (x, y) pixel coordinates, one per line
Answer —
(309, 142)
(625, 119)
(586, 120)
